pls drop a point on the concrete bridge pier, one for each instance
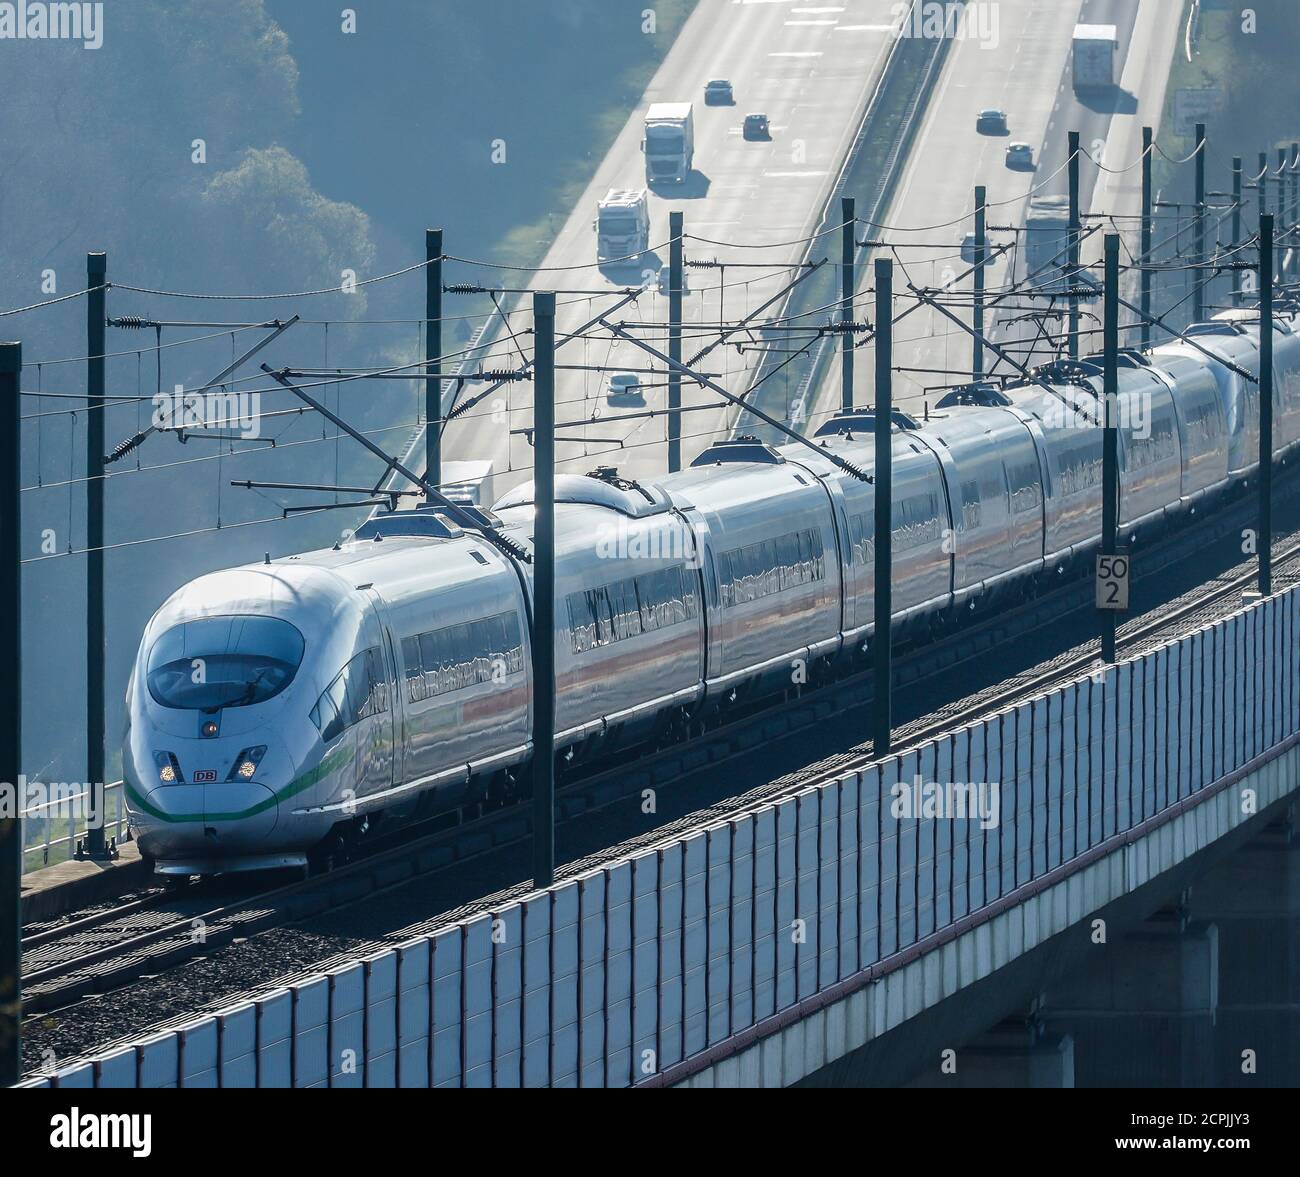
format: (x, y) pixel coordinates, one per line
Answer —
(1143, 1013)
(1014, 1054)
(1253, 898)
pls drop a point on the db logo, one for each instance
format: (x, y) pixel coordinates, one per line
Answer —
(204, 775)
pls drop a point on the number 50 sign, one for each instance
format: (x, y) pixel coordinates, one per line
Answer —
(1112, 582)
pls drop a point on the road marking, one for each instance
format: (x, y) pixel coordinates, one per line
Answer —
(797, 53)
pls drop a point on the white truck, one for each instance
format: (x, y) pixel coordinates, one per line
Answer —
(1047, 243)
(622, 225)
(1093, 57)
(669, 142)
(468, 483)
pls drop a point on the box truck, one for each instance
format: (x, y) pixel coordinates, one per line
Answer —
(622, 225)
(1093, 57)
(669, 142)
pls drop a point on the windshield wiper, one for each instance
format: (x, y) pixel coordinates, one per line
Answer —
(250, 689)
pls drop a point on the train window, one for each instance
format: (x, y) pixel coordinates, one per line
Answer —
(326, 717)
(651, 599)
(582, 625)
(331, 714)
(971, 504)
(666, 595)
(788, 560)
(216, 662)
(414, 670)
(463, 655)
(625, 608)
(430, 664)
(358, 691)
(357, 683)
(1080, 466)
(772, 566)
(602, 609)
(916, 522)
(770, 574)
(1025, 492)
(494, 643)
(603, 614)
(514, 644)
(862, 530)
(1204, 425)
(378, 681)
(478, 667)
(630, 607)
(460, 657)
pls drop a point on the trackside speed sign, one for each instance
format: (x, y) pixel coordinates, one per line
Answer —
(1112, 582)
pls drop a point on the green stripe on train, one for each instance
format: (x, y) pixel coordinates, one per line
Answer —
(333, 760)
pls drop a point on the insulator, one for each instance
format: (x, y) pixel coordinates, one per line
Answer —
(131, 323)
(500, 374)
(125, 448)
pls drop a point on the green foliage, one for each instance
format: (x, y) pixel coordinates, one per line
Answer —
(1247, 52)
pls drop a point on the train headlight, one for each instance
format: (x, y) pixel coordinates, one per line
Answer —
(246, 763)
(169, 769)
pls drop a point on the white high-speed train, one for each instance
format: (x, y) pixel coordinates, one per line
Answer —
(281, 708)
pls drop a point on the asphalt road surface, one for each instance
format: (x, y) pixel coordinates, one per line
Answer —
(1024, 70)
(811, 68)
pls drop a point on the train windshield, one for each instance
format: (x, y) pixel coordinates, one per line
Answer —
(217, 662)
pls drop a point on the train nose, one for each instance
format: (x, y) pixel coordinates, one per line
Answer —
(238, 816)
(191, 821)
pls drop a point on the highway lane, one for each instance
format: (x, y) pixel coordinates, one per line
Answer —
(1019, 73)
(1026, 73)
(811, 67)
(1155, 39)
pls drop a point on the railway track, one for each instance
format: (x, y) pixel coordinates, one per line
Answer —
(108, 949)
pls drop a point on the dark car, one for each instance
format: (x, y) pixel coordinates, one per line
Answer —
(991, 122)
(1020, 156)
(757, 126)
(718, 93)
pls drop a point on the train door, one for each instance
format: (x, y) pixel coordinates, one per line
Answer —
(704, 566)
(373, 695)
